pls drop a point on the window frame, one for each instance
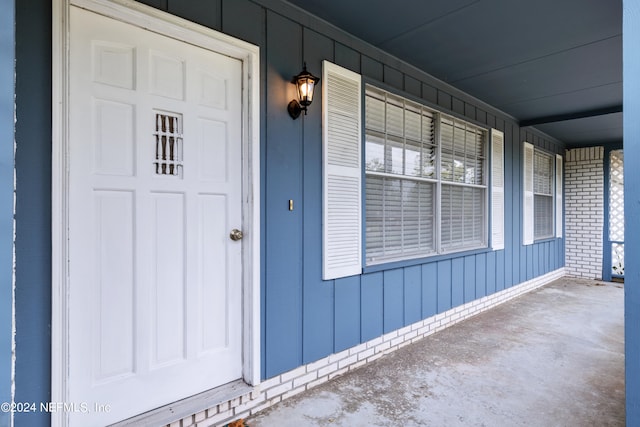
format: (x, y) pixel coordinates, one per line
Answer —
(482, 164)
(529, 194)
(550, 195)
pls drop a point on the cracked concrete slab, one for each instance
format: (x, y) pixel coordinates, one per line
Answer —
(552, 357)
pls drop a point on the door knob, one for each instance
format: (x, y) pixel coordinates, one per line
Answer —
(236, 234)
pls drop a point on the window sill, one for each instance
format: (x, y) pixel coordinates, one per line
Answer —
(545, 239)
(390, 265)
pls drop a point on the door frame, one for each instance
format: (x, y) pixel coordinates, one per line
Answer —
(166, 24)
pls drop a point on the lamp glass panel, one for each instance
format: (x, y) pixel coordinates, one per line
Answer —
(305, 91)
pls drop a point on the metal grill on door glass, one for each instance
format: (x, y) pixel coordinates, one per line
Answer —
(168, 140)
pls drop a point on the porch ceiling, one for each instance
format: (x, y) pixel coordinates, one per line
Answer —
(540, 61)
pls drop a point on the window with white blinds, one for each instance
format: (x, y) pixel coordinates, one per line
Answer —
(462, 169)
(425, 187)
(542, 205)
(543, 192)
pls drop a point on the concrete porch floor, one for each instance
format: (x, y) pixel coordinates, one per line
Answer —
(552, 357)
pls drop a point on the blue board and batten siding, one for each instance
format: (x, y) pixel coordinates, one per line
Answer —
(7, 70)
(305, 318)
(33, 208)
(631, 89)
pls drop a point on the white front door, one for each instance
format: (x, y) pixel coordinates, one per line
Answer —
(155, 188)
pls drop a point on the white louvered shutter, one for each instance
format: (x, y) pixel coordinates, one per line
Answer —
(559, 212)
(342, 173)
(527, 205)
(497, 189)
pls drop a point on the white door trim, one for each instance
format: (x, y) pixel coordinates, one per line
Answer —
(162, 23)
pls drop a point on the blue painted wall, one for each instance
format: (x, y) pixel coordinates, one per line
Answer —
(303, 317)
(7, 70)
(306, 318)
(631, 94)
(33, 207)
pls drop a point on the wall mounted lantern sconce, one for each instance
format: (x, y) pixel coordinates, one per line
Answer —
(305, 84)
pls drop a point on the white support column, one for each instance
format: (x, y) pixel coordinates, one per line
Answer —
(584, 211)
